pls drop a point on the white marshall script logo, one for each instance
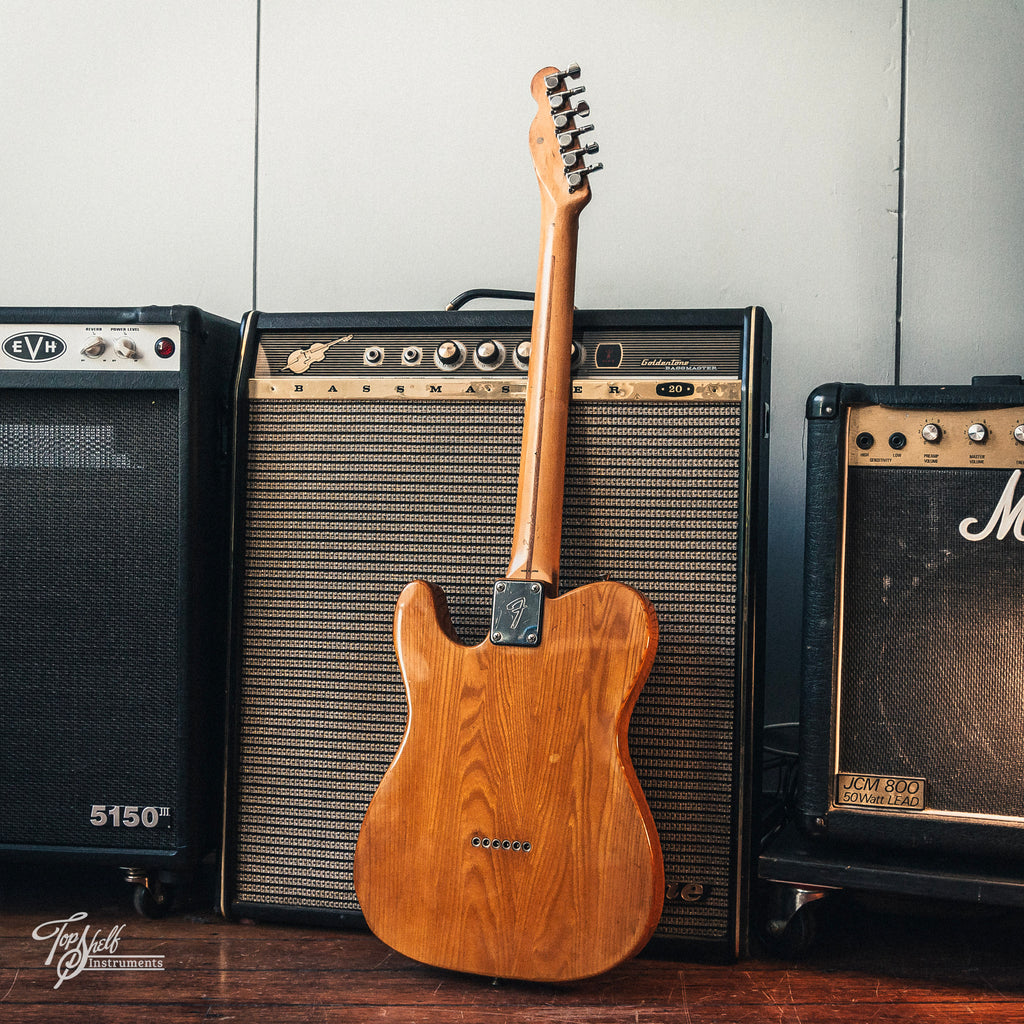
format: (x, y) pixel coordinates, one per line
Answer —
(1005, 516)
(74, 950)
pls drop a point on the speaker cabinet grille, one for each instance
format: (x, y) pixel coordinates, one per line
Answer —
(346, 501)
(913, 726)
(934, 654)
(114, 530)
(70, 462)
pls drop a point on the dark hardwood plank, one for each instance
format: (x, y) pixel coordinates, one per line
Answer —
(873, 961)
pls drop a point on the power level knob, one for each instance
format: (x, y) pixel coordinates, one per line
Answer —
(978, 433)
(126, 349)
(932, 433)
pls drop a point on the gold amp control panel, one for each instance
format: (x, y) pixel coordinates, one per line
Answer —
(877, 435)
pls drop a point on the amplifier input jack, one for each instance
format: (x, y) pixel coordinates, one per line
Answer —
(897, 441)
(865, 441)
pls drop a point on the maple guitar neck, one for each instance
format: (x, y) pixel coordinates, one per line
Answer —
(564, 191)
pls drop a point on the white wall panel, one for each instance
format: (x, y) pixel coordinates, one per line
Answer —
(963, 276)
(126, 163)
(750, 146)
(750, 152)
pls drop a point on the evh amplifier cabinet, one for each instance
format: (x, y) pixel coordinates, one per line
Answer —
(114, 500)
(913, 676)
(373, 449)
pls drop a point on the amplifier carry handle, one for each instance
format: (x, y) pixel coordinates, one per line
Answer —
(486, 293)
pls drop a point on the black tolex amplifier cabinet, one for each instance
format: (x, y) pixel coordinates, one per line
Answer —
(113, 512)
(913, 676)
(372, 449)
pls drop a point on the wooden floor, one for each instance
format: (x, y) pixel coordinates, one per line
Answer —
(871, 962)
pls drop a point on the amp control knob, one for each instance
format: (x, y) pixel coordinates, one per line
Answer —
(521, 356)
(95, 348)
(1018, 433)
(449, 355)
(488, 353)
(932, 433)
(978, 433)
(126, 349)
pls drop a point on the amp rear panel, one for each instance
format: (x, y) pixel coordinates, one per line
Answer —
(347, 494)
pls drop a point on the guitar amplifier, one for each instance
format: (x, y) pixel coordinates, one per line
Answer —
(373, 449)
(114, 498)
(912, 719)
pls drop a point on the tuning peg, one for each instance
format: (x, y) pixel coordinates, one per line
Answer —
(552, 82)
(563, 119)
(569, 157)
(564, 139)
(556, 99)
(575, 177)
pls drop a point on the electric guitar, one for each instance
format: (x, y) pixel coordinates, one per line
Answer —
(510, 836)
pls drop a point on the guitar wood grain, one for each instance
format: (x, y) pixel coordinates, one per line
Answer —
(510, 836)
(517, 745)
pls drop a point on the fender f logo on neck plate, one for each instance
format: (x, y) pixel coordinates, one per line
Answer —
(516, 613)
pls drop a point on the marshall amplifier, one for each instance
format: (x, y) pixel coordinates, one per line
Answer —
(373, 449)
(913, 675)
(114, 499)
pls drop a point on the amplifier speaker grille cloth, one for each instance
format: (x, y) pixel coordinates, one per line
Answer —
(919, 597)
(348, 501)
(88, 493)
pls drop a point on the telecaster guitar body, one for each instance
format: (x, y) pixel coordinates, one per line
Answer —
(510, 836)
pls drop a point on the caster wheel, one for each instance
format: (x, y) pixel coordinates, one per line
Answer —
(788, 924)
(153, 902)
(796, 936)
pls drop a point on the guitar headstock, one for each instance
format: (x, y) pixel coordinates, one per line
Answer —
(559, 155)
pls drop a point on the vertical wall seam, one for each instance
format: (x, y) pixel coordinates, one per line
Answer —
(256, 157)
(901, 195)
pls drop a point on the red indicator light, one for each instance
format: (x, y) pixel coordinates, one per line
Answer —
(608, 356)
(165, 348)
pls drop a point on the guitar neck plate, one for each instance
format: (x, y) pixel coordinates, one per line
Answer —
(516, 613)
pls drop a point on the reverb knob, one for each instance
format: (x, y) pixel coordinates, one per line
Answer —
(94, 348)
(978, 433)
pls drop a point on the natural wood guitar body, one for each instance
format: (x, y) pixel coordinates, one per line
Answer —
(510, 836)
(521, 746)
